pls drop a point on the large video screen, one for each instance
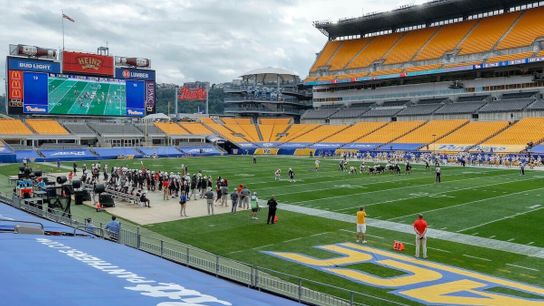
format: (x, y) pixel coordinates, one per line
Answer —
(58, 94)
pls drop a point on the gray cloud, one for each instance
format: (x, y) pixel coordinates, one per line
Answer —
(186, 40)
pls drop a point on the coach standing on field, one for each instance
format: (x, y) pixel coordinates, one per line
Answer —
(438, 172)
(420, 228)
(272, 206)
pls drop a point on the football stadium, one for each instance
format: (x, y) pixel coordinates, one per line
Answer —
(405, 168)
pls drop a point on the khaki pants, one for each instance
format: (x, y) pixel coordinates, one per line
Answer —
(421, 243)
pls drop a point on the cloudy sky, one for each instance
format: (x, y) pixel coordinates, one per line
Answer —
(186, 40)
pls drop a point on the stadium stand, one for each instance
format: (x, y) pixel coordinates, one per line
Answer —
(151, 130)
(513, 102)
(474, 132)
(423, 107)
(322, 113)
(13, 127)
(375, 50)
(524, 131)
(445, 40)
(509, 57)
(423, 67)
(170, 128)
(352, 112)
(223, 131)
(109, 129)
(526, 31)
(81, 129)
(319, 133)
(297, 130)
(354, 132)
(391, 132)
(46, 127)
(324, 56)
(346, 52)
(431, 131)
(487, 33)
(407, 47)
(386, 71)
(195, 128)
(464, 105)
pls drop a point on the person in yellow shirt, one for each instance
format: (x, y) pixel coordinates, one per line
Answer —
(361, 225)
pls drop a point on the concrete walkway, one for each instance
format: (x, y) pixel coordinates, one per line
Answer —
(515, 248)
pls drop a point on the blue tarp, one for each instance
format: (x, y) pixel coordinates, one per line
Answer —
(115, 152)
(66, 271)
(11, 213)
(402, 146)
(162, 151)
(200, 151)
(362, 146)
(27, 154)
(68, 154)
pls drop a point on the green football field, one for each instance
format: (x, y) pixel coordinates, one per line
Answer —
(75, 97)
(492, 203)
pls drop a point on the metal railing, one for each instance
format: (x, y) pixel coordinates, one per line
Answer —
(296, 288)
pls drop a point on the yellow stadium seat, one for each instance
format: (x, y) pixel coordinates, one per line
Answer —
(354, 132)
(297, 130)
(445, 40)
(325, 54)
(46, 127)
(376, 49)
(170, 128)
(509, 57)
(410, 43)
(431, 131)
(346, 52)
(319, 133)
(526, 31)
(524, 131)
(13, 127)
(473, 133)
(390, 132)
(195, 128)
(487, 33)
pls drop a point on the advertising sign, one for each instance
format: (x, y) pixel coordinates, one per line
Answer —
(24, 64)
(136, 74)
(194, 91)
(87, 63)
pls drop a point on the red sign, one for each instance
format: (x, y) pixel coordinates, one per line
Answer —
(15, 85)
(192, 94)
(86, 63)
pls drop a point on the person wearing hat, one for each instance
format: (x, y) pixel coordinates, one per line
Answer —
(209, 200)
(254, 202)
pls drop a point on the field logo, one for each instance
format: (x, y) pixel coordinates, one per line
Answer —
(423, 281)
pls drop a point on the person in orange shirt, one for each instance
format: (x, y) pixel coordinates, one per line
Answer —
(420, 228)
(361, 225)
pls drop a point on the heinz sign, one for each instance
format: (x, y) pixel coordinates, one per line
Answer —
(87, 64)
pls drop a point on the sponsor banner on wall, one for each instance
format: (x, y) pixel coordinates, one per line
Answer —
(136, 74)
(194, 91)
(150, 97)
(87, 63)
(33, 51)
(36, 65)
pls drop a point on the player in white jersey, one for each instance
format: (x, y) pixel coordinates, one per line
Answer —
(317, 163)
(277, 175)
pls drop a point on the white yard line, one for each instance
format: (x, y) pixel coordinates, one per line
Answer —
(522, 267)
(433, 194)
(501, 219)
(476, 257)
(467, 203)
(465, 239)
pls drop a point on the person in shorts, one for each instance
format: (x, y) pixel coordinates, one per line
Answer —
(361, 225)
(254, 202)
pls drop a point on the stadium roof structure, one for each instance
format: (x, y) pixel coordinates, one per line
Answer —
(413, 15)
(269, 70)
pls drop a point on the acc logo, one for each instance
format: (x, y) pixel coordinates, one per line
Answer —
(88, 62)
(422, 281)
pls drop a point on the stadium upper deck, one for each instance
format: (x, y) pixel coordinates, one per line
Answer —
(436, 37)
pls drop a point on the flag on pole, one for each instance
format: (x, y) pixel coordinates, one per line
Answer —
(68, 17)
